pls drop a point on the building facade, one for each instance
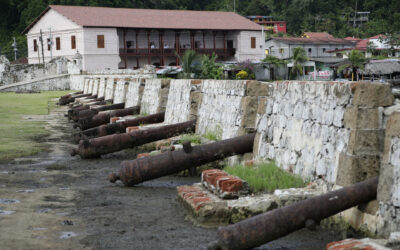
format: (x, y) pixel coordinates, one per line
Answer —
(130, 38)
(269, 23)
(282, 47)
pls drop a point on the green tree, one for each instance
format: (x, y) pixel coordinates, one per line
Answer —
(189, 63)
(299, 57)
(210, 69)
(356, 61)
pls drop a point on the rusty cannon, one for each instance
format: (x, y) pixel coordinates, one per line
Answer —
(152, 167)
(70, 95)
(75, 110)
(118, 127)
(104, 117)
(65, 101)
(277, 223)
(90, 112)
(113, 143)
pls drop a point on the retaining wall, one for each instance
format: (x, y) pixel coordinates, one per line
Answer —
(155, 95)
(134, 92)
(56, 82)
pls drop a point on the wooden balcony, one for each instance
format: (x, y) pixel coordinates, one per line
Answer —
(172, 52)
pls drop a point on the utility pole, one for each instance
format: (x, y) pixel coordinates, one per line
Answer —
(41, 42)
(355, 15)
(14, 45)
(50, 43)
(234, 6)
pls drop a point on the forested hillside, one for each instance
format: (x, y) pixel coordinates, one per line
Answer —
(301, 15)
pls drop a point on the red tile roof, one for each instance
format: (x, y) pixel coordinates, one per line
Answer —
(362, 45)
(152, 19)
(317, 35)
(355, 39)
(301, 40)
(378, 36)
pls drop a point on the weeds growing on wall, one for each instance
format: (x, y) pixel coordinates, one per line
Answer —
(266, 177)
(214, 135)
(193, 138)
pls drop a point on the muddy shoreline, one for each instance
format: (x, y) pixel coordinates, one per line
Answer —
(67, 203)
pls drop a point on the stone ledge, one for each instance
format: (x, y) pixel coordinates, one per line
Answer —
(207, 209)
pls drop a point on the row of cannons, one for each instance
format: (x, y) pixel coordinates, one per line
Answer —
(98, 136)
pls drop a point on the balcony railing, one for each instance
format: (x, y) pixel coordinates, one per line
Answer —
(172, 52)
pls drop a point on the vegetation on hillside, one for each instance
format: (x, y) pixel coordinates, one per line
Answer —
(333, 16)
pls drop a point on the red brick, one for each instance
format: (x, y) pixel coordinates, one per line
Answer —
(349, 244)
(230, 185)
(142, 155)
(114, 119)
(211, 177)
(130, 129)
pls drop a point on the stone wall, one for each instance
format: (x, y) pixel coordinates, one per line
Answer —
(134, 92)
(228, 108)
(314, 129)
(102, 87)
(389, 179)
(120, 90)
(110, 87)
(155, 95)
(182, 98)
(57, 82)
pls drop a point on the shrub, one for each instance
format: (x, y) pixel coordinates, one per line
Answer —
(242, 75)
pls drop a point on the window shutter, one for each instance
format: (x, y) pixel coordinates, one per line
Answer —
(73, 42)
(253, 42)
(100, 41)
(58, 45)
(34, 45)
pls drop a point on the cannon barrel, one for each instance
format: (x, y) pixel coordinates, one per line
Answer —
(104, 117)
(118, 127)
(81, 107)
(277, 223)
(113, 143)
(70, 95)
(152, 167)
(65, 101)
(90, 112)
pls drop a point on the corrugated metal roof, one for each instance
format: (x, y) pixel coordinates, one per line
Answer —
(152, 19)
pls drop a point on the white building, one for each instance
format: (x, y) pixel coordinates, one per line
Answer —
(130, 38)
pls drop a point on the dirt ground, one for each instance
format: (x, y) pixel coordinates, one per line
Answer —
(55, 201)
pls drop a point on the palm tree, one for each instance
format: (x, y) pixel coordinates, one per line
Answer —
(188, 62)
(356, 61)
(299, 57)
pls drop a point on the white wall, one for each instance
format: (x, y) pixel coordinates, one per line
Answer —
(244, 51)
(60, 27)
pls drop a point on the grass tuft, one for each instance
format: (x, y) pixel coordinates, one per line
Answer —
(193, 138)
(266, 177)
(18, 136)
(215, 135)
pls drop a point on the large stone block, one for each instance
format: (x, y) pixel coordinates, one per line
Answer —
(256, 88)
(353, 169)
(363, 118)
(385, 184)
(366, 142)
(372, 95)
(249, 107)
(393, 125)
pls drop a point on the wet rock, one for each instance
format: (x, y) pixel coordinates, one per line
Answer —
(67, 235)
(8, 201)
(44, 210)
(67, 223)
(5, 212)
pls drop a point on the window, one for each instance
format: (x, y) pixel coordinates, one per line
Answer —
(323, 50)
(281, 51)
(281, 24)
(267, 52)
(48, 44)
(58, 43)
(34, 45)
(73, 42)
(253, 42)
(309, 50)
(100, 41)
